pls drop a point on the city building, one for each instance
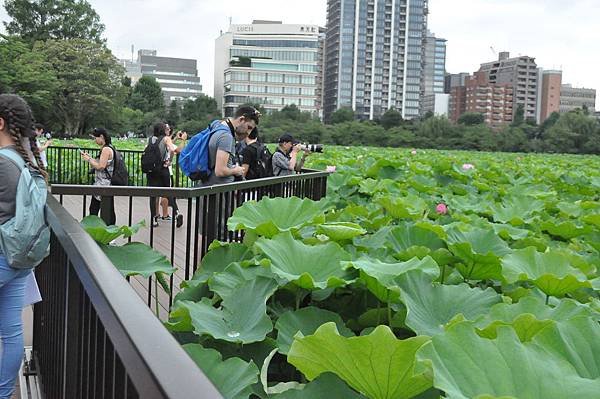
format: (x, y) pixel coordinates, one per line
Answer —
(269, 63)
(456, 87)
(374, 56)
(549, 94)
(437, 103)
(177, 77)
(434, 64)
(454, 80)
(572, 98)
(494, 101)
(519, 72)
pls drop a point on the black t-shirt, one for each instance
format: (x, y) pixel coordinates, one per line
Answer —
(250, 157)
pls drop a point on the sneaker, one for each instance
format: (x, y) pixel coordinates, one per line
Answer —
(179, 219)
(155, 221)
(167, 218)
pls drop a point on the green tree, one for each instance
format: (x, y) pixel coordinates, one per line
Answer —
(572, 133)
(147, 95)
(512, 139)
(342, 115)
(173, 113)
(471, 119)
(89, 86)
(200, 109)
(27, 74)
(391, 118)
(41, 20)
(519, 117)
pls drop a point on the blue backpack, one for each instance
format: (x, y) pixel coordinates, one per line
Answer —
(25, 238)
(194, 160)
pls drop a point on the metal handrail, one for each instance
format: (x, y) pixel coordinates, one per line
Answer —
(153, 359)
(183, 193)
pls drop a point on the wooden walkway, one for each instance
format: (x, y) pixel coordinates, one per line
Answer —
(162, 237)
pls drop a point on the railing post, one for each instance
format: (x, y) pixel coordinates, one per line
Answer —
(59, 177)
(177, 171)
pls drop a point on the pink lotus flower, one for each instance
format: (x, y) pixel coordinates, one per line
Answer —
(414, 152)
(330, 169)
(441, 209)
(468, 166)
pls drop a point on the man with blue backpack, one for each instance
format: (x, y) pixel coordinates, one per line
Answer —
(210, 158)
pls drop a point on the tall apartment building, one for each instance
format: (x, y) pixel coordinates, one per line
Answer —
(456, 87)
(269, 63)
(433, 98)
(572, 98)
(374, 56)
(434, 64)
(177, 77)
(519, 72)
(493, 100)
(549, 94)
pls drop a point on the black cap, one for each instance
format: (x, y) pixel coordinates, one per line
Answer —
(288, 138)
(99, 131)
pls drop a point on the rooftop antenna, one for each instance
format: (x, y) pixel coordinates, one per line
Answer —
(132, 53)
(230, 20)
(493, 51)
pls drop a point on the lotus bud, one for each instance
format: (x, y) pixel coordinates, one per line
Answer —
(441, 209)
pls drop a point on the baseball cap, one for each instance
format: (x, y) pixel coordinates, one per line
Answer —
(287, 138)
(99, 131)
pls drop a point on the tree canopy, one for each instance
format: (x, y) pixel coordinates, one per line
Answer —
(40, 20)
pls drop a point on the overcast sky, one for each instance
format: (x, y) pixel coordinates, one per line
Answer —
(559, 34)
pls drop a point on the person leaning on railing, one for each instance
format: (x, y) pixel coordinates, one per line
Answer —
(16, 133)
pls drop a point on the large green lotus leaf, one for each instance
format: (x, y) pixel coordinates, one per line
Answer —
(431, 306)
(219, 256)
(411, 207)
(516, 210)
(566, 230)
(506, 231)
(406, 236)
(592, 219)
(307, 266)
(567, 309)
(341, 231)
(307, 321)
(466, 366)
(551, 272)
(570, 209)
(577, 341)
(233, 377)
(103, 234)
(326, 386)
(242, 316)
(270, 216)
(378, 365)
(374, 241)
(225, 283)
(480, 250)
(136, 258)
(380, 277)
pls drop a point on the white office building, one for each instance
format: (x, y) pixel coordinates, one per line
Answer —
(268, 63)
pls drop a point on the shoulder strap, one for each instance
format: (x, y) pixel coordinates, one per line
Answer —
(14, 157)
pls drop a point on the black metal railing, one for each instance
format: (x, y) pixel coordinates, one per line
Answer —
(66, 166)
(93, 336)
(205, 210)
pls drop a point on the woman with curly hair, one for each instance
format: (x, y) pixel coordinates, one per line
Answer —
(16, 134)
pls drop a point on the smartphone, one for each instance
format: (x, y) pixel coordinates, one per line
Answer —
(80, 150)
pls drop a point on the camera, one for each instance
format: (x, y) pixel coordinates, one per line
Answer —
(311, 147)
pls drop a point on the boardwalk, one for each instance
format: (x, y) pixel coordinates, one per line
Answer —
(160, 238)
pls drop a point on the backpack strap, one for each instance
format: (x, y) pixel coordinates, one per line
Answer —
(13, 156)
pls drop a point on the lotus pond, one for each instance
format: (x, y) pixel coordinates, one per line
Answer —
(423, 274)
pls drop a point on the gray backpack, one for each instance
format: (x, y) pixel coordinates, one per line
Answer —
(25, 238)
